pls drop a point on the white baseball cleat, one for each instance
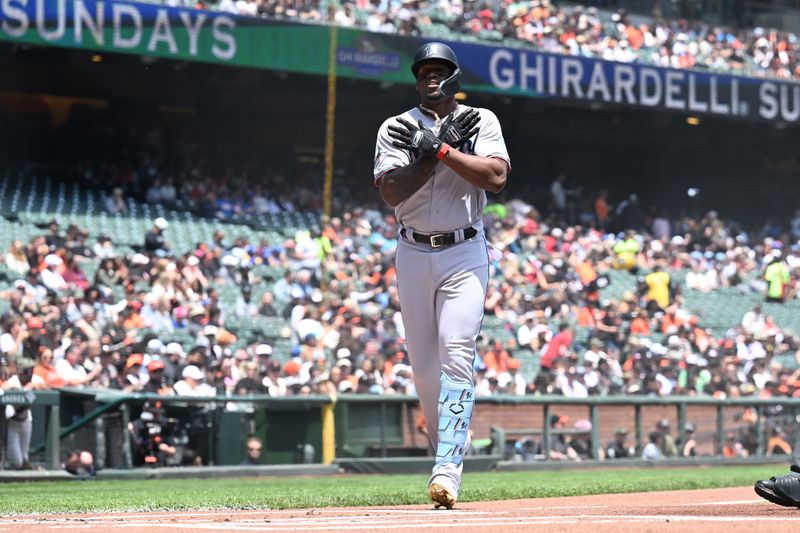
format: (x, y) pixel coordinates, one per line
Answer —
(441, 496)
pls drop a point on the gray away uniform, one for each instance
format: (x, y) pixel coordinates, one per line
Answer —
(442, 289)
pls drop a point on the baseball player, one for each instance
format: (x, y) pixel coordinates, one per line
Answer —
(433, 164)
(783, 490)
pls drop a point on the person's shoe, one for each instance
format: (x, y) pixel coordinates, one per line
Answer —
(441, 496)
(781, 490)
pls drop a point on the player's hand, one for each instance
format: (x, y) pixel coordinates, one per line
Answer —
(418, 139)
(458, 130)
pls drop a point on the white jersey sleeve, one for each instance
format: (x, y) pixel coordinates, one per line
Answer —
(489, 142)
(387, 156)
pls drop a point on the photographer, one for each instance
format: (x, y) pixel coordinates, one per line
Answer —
(153, 437)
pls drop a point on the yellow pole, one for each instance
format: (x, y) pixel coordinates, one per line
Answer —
(330, 124)
(328, 422)
(330, 129)
(328, 432)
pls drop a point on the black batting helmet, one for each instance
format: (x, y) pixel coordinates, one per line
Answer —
(441, 52)
(434, 51)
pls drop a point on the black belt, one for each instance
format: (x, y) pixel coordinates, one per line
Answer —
(440, 239)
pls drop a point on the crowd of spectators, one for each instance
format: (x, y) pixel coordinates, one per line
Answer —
(547, 26)
(337, 303)
(153, 320)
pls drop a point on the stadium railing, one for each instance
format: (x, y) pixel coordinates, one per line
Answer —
(349, 427)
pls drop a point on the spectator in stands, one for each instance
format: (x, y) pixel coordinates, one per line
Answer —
(245, 307)
(44, 372)
(496, 359)
(778, 443)
(131, 379)
(71, 370)
(11, 342)
(54, 239)
(80, 463)
(558, 197)
(192, 383)
(154, 240)
(155, 378)
(253, 447)
(560, 449)
(734, 448)
(666, 443)
(629, 214)
(115, 203)
(652, 451)
(658, 289)
(617, 449)
(17, 260)
(754, 322)
(777, 276)
(570, 383)
(107, 360)
(689, 447)
(795, 226)
(251, 382)
(558, 347)
(581, 441)
(73, 274)
(76, 243)
(661, 229)
(51, 274)
(626, 250)
(104, 248)
(512, 381)
(276, 384)
(602, 210)
(267, 306)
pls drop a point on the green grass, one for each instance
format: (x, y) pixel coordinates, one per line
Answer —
(355, 490)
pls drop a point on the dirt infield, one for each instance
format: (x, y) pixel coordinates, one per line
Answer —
(734, 510)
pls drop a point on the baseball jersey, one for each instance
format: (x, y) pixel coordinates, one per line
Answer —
(447, 202)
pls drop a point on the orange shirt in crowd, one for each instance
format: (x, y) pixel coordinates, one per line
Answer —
(48, 375)
(134, 321)
(496, 360)
(586, 317)
(640, 326)
(778, 445)
(634, 37)
(728, 451)
(586, 272)
(601, 210)
(670, 322)
(225, 337)
(701, 339)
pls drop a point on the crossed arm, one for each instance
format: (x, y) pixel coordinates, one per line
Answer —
(488, 173)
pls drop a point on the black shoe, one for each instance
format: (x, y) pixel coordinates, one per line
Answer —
(782, 490)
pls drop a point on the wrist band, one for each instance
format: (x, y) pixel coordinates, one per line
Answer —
(443, 151)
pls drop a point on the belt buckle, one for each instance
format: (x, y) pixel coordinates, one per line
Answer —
(437, 240)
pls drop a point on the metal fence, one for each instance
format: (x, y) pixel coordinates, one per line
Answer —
(295, 429)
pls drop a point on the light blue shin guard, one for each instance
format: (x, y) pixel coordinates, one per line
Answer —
(456, 400)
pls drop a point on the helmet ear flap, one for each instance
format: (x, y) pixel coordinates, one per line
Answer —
(451, 85)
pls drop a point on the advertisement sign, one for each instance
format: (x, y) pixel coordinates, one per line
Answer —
(192, 35)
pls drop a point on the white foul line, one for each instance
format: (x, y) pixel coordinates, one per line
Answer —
(320, 525)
